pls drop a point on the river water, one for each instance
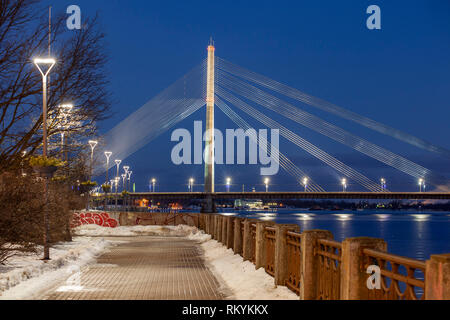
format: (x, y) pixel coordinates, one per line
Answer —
(411, 234)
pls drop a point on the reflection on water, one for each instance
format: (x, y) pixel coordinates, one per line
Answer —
(412, 234)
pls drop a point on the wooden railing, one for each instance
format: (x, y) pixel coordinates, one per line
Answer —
(293, 241)
(401, 278)
(329, 255)
(253, 233)
(269, 237)
(330, 265)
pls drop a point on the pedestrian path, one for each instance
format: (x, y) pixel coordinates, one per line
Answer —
(145, 268)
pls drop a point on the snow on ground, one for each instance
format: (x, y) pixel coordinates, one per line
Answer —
(238, 275)
(93, 230)
(24, 276)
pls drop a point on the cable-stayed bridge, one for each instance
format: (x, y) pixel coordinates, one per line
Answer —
(236, 90)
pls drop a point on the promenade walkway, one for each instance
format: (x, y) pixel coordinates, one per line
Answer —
(145, 268)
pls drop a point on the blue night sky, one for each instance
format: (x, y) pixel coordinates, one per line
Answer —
(399, 75)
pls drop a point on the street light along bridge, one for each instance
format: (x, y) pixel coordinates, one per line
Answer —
(289, 195)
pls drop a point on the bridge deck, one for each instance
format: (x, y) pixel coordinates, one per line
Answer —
(295, 195)
(146, 268)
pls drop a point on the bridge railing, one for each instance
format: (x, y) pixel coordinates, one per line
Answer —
(315, 266)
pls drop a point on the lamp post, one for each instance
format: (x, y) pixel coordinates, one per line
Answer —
(266, 182)
(228, 184)
(126, 169)
(191, 185)
(107, 155)
(39, 63)
(344, 185)
(116, 181)
(305, 183)
(421, 185)
(153, 184)
(383, 184)
(123, 182)
(50, 63)
(93, 144)
(118, 162)
(65, 112)
(129, 181)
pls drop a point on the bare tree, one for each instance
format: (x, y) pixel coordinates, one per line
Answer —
(79, 77)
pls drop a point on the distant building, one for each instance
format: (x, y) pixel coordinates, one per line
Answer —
(247, 204)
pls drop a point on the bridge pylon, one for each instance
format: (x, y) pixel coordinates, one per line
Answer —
(208, 206)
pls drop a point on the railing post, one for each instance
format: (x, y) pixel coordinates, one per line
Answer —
(207, 223)
(260, 249)
(309, 264)
(281, 266)
(230, 233)
(247, 241)
(353, 276)
(437, 277)
(214, 226)
(237, 243)
(211, 225)
(219, 228)
(224, 230)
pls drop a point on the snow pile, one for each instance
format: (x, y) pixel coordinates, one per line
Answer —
(93, 230)
(25, 275)
(240, 277)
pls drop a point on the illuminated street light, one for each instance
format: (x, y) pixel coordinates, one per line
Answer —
(344, 185)
(266, 182)
(93, 144)
(124, 176)
(153, 184)
(305, 183)
(116, 182)
(107, 155)
(421, 185)
(129, 179)
(126, 169)
(383, 184)
(65, 110)
(40, 63)
(191, 184)
(228, 184)
(118, 162)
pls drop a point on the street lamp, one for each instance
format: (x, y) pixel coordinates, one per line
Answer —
(107, 155)
(93, 144)
(40, 63)
(153, 184)
(50, 63)
(228, 184)
(421, 184)
(65, 112)
(116, 181)
(129, 178)
(344, 184)
(191, 184)
(118, 162)
(123, 182)
(126, 169)
(266, 182)
(383, 184)
(305, 183)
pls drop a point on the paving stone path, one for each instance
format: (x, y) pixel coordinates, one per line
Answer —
(145, 268)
